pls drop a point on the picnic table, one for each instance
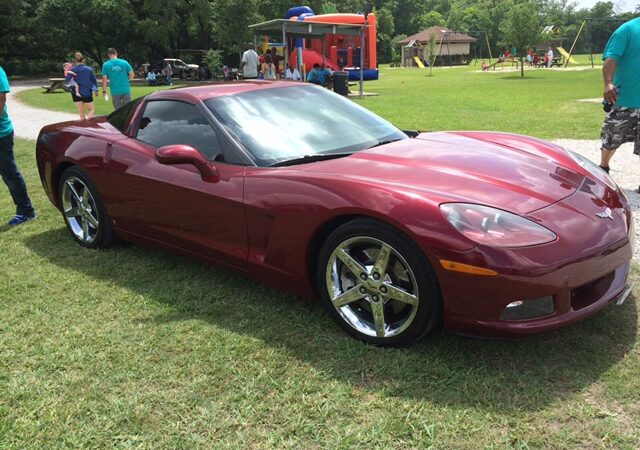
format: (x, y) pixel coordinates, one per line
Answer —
(56, 83)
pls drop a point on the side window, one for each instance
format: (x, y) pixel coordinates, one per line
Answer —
(166, 122)
(119, 118)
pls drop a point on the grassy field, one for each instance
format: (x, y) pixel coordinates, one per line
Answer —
(544, 103)
(134, 348)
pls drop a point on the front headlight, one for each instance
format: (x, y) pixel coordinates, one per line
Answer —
(495, 227)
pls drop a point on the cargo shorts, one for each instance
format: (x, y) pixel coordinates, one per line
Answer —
(621, 125)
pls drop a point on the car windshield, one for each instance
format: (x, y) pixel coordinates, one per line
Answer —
(291, 122)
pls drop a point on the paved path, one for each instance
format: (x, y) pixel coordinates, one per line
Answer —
(27, 120)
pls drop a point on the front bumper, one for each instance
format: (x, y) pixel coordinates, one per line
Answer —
(583, 271)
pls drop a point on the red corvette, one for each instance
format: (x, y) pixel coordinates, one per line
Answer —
(486, 233)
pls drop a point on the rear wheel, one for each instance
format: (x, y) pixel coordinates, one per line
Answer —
(377, 284)
(83, 210)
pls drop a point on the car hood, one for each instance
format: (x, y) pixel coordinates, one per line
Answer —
(462, 168)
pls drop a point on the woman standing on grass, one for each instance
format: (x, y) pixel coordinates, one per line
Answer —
(87, 86)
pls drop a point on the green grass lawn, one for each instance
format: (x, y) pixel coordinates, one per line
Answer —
(131, 347)
(544, 103)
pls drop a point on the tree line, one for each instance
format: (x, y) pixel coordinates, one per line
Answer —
(36, 36)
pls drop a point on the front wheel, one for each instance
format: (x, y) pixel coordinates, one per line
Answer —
(377, 284)
(83, 210)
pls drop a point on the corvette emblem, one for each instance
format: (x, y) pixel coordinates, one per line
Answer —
(607, 214)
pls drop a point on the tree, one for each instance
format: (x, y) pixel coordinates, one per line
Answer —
(213, 61)
(431, 49)
(385, 29)
(521, 29)
(430, 19)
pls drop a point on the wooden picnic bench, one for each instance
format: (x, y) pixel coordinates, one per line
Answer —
(56, 83)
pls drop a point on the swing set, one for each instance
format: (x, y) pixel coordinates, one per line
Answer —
(445, 41)
(586, 23)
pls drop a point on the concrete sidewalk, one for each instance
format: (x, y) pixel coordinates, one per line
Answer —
(27, 120)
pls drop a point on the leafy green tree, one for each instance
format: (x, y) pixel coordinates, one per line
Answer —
(497, 11)
(213, 61)
(231, 20)
(431, 49)
(521, 29)
(430, 19)
(385, 29)
(600, 31)
(104, 24)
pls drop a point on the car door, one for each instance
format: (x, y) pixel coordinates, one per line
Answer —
(172, 203)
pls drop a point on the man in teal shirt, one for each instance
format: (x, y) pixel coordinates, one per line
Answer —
(118, 72)
(8, 168)
(621, 73)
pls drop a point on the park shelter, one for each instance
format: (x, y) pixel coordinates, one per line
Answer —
(451, 47)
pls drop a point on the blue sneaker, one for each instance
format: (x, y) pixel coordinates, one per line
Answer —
(19, 219)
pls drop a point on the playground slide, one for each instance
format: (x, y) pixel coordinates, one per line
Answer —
(311, 57)
(565, 55)
(418, 62)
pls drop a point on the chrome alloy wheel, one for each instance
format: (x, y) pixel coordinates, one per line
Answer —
(372, 287)
(79, 209)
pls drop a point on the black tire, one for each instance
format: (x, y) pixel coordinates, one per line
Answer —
(83, 210)
(363, 307)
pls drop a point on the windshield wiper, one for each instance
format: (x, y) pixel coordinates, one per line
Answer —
(384, 142)
(308, 159)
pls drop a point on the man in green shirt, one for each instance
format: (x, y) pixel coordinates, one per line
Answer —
(119, 73)
(8, 168)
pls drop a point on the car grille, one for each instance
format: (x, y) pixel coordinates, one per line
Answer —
(591, 292)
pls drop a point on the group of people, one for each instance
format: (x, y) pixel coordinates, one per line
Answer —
(533, 58)
(540, 59)
(166, 74)
(267, 66)
(84, 86)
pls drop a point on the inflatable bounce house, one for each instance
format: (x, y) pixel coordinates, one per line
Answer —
(341, 52)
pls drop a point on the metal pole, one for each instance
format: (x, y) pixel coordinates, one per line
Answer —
(438, 52)
(574, 43)
(486, 36)
(590, 46)
(284, 48)
(362, 59)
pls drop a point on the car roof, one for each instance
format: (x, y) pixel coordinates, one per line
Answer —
(193, 94)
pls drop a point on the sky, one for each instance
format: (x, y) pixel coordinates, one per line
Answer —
(622, 5)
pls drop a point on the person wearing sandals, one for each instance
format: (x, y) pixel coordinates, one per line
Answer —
(8, 168)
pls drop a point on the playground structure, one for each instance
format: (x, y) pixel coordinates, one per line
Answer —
(336, 51)
(342, 42)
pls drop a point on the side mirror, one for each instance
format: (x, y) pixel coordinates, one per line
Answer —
(185, 154)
